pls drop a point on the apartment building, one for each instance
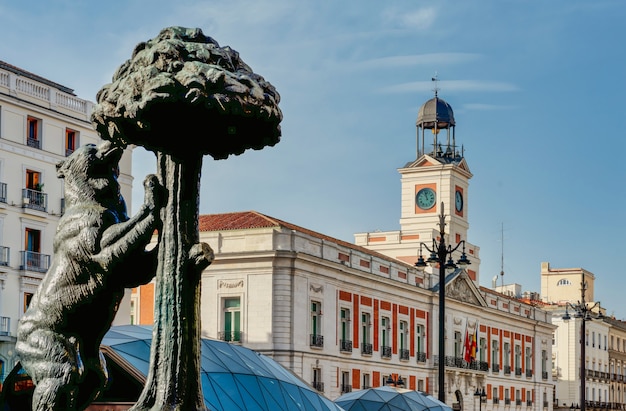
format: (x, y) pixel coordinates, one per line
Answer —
(41, 123)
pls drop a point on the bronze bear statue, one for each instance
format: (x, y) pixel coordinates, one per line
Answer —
(98, 252)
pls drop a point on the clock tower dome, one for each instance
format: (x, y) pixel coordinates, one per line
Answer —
(436, 182)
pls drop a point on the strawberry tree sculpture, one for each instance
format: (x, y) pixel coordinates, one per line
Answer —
(183, 96)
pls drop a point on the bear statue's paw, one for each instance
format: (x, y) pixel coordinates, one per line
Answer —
(154, 192)
(201, 255)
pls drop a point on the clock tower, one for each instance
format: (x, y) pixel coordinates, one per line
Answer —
(436, 181)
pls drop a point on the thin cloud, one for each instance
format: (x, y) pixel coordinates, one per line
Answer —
(437, 59)
(451, 86)
(422, 18)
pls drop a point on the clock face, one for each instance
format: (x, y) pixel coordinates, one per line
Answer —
(425, 198)
(458, 201)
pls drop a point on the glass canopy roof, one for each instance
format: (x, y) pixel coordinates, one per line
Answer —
(390, 399)
(233, 377)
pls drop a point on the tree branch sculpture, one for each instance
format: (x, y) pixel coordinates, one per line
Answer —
(183, 96)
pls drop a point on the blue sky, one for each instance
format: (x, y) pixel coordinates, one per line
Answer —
(537, 89)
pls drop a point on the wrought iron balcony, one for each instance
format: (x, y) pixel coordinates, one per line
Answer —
(34, 199)
(230, 336)
(495, 368)
(33, 142)
(544, 375)
(518, 371)
(317, 340)
(518, 402)
(529, 373)
(319, 386)
(507, 401)
(385, 351)
(404, 354)
(345, 345)
(32, 261)
(346, 388)
(420, 356)
(496, 400)
(529, 403)
(4, 256)
(5, 326)
(366, 349)
(507, 369)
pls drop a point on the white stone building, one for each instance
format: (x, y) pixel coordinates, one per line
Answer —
(348, 316)
(41, 122)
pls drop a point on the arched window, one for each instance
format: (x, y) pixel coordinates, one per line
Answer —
(563, 281)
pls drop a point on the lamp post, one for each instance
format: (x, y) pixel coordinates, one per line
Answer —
(440, 253)
(585, 314)
(480, 393)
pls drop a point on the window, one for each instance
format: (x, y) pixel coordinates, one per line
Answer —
(419, 343)
(420, 385)
(317, 380)
(494, 355)
(593, 338)
(506, 355)
(345, 382)
(71, 140)
(232, 319)
(366, 382)
(403, 340)
(482, 349)
(345, 341)
(366, 333)
(385, 330)
(317, 340)
(458, 345)
(33, 130)
(528, 362)
(563, 281)
(27, 298)
(518, 358)
(32, 259)
(544, 362)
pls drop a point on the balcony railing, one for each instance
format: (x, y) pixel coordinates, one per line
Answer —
(346, 388)
(230, 336)
(4, 256)
(495, 368)
(33, 261)
(366, 349)
(319, 386)
(345, 345)
(404, 354)
(496, 400)
(420, 356)
(529, 403)
(518, 371)
(3, 192)
(5, 325)
(544, 375)
(317, 340)
(460, 362)
(507, 369)
(34, 199)
(385, 351)
(507, 401)
(33, 142)
(518, 402)
(529, 373)
(545, 404)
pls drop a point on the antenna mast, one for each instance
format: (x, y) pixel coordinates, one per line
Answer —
(502, 254)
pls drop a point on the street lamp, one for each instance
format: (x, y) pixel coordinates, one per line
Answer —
(440, 253)
(585, 314)
(480, 393)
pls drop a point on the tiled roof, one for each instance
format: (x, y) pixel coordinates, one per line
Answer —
(252, 219)
(21, 72)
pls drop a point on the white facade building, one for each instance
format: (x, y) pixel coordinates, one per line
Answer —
(41, 122)
(348, 316)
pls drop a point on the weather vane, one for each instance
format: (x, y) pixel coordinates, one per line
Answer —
(435, 79)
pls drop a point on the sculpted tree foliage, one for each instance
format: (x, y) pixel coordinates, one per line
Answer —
(183, 96)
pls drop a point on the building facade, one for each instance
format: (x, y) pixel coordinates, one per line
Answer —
(347, 316)
(41, 122)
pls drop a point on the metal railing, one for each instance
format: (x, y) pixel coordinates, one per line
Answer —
(230, 336)
(507, 369)
(4, 256)
(404, 354)
(319, 386)
(346, 388)
(420, 356)
(345, 345)
(529, 373)
(495, 368)
(5, 326)
(366, 349)
(34, 199)
(33, 261)
(317, 340)
(518, 371)
(33, 142)
(385, 351)
(544, 375)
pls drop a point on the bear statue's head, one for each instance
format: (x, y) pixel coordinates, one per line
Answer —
(90, 174)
